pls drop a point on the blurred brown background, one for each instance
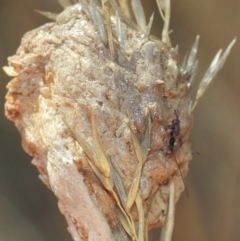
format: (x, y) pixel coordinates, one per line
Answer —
(28, 210)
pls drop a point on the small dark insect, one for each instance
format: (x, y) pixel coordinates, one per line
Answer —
(171, 143)
(175, 130)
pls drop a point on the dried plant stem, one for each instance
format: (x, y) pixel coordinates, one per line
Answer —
(167, 229)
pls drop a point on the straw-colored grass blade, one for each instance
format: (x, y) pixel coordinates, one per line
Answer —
(87, 149)
(107, 8)
(139, 14)
(134, 187)
(161, 203)
(99, 155)
(149, 26)
(122, 15)
(125, 6)
(167, 230)
(119, 185)
(107, 182)
(98, 22)
(49, 15)
(192, 55)
(212, 71)
(125, 223)
(142, 148)
(122, 39)
(164, 7)
(141, 218)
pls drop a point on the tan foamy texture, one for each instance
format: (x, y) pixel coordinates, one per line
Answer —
(96, 102)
